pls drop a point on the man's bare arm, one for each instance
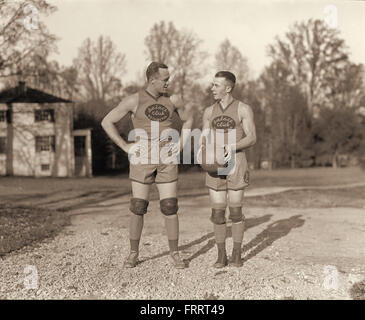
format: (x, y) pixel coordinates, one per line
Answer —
(249, 128)
(108, 123)
(205, 133)
(185, 112)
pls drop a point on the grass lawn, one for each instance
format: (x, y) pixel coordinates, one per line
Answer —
(20, 226)
(344, 197)
(188, 181)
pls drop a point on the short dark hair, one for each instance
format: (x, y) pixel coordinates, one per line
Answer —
(153, 69)
(229, 76)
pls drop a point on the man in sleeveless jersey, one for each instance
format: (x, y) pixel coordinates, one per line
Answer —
(228, 189)
(152, 117)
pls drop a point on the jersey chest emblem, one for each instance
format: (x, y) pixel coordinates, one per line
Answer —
(157, 112)
(223, 122)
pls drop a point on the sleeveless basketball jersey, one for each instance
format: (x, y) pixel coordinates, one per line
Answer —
(226, 120)
(150, 112)
(150, 108)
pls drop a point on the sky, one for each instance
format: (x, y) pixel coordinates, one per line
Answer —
(250, 25)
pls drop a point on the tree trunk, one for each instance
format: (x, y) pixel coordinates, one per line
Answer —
(270, 153)
(113, 159)
(334, 160)
(292, 161)
(293, 143)
(9, 142)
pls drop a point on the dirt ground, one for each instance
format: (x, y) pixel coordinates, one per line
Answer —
(289, 253)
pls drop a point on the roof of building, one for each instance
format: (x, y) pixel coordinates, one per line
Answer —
(22, 93)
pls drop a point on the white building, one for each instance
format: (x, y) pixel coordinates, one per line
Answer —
(37, 137)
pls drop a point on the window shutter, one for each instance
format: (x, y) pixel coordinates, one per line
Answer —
(8, 116)
(37, 115)
(53, 143)
(38, 144)
(51, 112)
(2, 145)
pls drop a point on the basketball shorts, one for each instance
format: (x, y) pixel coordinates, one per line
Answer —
(236, 180)
(153, 173)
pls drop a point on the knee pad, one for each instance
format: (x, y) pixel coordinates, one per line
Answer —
(218, 216)
(235, 214)
(138, 206)
(218, 213)
(169, 206)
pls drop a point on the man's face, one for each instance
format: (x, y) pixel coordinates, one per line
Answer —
(161, 80)
(220, 88)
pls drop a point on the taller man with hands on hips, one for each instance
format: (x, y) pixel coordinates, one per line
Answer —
(153, 158)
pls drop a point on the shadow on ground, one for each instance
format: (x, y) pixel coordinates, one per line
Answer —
(273, 232)
(75, 200)
(250, 223)
(264, 239)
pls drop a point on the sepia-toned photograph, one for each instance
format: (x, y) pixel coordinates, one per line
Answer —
(207, 150)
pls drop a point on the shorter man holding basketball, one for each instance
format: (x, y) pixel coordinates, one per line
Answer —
(228, 176)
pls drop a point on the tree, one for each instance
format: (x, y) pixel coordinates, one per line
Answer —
(287, 117)
(100, 69)
(25, 45)
(272, 86)
(347, 87)
(180, 50)
(48, 76)
(309, 52)
(161, 42)
(187, 63)
(230, 58)
(23, 34)
(338, 131)
(314, 59)
(69, 82)
(253, 96)
(38, 73)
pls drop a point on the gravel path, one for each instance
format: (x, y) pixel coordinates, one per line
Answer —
(288, 254)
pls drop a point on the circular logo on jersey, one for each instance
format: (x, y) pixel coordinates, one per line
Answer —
(223, 122)
(157, 112)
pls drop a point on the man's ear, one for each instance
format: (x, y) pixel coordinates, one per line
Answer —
(153, 79)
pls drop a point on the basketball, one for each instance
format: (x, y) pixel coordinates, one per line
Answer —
(206, 160)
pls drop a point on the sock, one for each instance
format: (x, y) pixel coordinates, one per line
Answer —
(220, 233)
(172, 230)
(173, 245)
(135, 231)
(221, 247)
(134, 245)
(237, 234)
(222, 255)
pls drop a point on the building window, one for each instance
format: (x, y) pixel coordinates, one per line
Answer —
(44, 115)
(2, 115)
(45, 167)
(45, 143)
(5, 116)
(2, 145)
(80, 148)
